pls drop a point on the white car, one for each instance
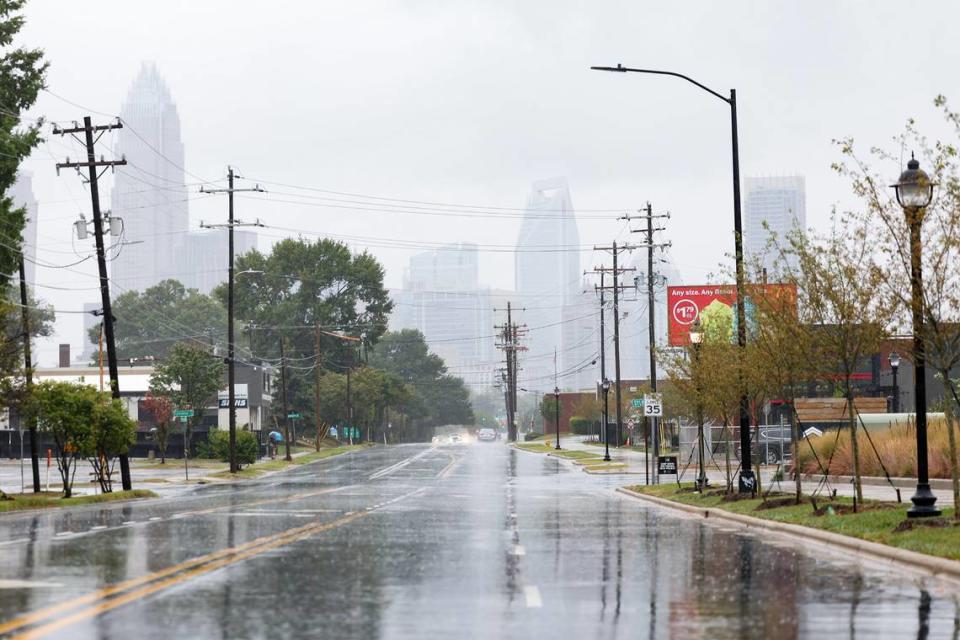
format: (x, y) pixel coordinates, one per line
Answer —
(486, 435)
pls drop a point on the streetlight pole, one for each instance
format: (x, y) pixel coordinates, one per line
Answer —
(914, 192)
(696, 338)
(894, 359)
(605, 385)
(556, 417)
(747, 481)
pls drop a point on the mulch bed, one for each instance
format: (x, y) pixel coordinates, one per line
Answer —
(933, 523)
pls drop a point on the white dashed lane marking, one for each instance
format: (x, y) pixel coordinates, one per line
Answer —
(532, 596)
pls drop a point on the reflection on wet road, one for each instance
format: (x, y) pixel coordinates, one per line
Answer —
(452, 542)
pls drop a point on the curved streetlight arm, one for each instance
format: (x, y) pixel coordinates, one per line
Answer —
(622, 69)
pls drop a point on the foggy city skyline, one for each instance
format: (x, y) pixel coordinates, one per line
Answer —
(508, 100)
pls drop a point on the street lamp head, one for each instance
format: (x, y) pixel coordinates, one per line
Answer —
(605, 385)
(914, 189)
(894, 359)
(556, 391)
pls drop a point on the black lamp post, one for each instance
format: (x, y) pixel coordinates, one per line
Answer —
(747, 479)
(696, 339)
(605, 385)
(914, 192)
(894, 360)
(556, 400)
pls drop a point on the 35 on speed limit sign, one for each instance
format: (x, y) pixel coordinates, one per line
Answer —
(653, 405)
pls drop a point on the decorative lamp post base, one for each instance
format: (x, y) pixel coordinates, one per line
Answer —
(747, 482)
(923, 503)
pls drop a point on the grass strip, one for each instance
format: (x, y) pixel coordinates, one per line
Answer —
(260, 468)
(21, 502)
(577, 455)
(536, 447)
(882, 522)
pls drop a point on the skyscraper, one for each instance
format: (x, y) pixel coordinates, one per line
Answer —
(150, 196)
(442, 299)
(548, 278)
(780, 205)
(149, 193)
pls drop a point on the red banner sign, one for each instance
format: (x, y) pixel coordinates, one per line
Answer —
(709, 302)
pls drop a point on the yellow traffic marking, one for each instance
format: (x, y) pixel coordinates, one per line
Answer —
(101, 600)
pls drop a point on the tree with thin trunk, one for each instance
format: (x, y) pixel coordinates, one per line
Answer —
(940, 255)
(162, 410)
(840, 299)
(190, 376)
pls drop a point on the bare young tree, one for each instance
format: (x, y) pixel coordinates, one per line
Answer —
(940, 250)
(840, 301)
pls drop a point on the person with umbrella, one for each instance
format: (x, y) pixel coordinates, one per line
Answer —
(275, 439)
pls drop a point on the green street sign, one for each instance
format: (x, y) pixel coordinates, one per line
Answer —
(637, 403)
(183, 413)
(293, 416)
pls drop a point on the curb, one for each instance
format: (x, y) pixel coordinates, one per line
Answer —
(875, 550)
(941, 484)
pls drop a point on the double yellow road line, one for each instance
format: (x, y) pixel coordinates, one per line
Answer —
(42, 622)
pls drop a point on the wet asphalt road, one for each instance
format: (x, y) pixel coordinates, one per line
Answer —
(469, 541)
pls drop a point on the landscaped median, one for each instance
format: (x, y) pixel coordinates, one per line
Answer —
(271, 466)
(878, 528)
(591, 462)
(50, 500)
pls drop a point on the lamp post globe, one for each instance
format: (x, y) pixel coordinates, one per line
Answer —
(914, 192)
(894, 360)
(605, 385)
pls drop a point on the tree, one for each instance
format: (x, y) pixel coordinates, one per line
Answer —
(839, 295)
(548, 409)
(112, 432)
(298, 286)
(83, 422)
(151, 322)
(22, 76)
(940, 255)
(435, 398)
(190, 377)
(161, 409)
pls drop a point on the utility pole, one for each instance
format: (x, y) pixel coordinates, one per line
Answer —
(95, 169)
(616, 271)
(318, 371)
(231, 347)
(510, 346)
(350, 398)
(28, 375)
(652, 278)
(283, 391)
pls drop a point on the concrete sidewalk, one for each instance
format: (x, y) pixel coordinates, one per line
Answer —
(873, 488)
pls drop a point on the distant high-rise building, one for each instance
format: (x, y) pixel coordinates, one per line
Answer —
(774, 207)
(548, 280)
(150, 196)
(22, 195)
(441, 298)
(149, 193)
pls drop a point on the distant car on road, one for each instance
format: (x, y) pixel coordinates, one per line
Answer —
(486, 435)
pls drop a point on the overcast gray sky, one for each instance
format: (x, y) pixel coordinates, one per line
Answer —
(469, 102)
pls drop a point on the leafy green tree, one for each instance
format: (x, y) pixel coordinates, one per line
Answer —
(112, 432)
(22, 76)
(436, 398)
(298, 286)
(190, 377)
(83, 422)
(152, 321)
(548, 408)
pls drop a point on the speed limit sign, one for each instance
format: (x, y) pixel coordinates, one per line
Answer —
(653, 405)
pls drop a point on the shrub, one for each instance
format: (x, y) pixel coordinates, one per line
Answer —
(218, 446)
(897, 446)
(582, 426)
